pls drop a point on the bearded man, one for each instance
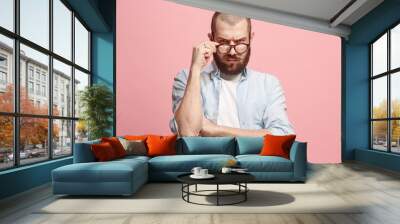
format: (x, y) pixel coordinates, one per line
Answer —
(219, 95)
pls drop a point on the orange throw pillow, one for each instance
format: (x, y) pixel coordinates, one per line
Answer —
(116, 145)
(135, 137)
(103, 152)
(277, 145)
(161, 145)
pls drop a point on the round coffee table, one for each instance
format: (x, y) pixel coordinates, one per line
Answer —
(238, 179)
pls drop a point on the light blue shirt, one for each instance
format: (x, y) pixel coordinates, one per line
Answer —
(260, 99)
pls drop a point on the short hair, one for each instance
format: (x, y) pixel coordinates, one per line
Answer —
(228, 18)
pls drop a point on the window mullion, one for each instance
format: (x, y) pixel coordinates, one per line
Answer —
(73, 82)
(389, 76)
(16, 84)
(50, 81)
(370, 98)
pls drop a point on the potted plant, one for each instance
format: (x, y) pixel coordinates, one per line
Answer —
(96, 102)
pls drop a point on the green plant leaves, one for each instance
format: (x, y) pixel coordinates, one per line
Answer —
(97, 104)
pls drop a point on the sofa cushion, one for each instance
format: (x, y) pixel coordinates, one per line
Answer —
(134, 147)
(132, 158)
(103, 152)
(136, 137)
(111, 171)
(158, 145)
(83, 152)
(277, 145)
(185, 163)
(257, 163)
(206, 145)
(249, 145)
(116, 145)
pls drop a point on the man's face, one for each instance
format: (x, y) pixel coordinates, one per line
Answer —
(232, 62)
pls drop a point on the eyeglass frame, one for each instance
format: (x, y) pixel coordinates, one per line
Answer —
(234, 47)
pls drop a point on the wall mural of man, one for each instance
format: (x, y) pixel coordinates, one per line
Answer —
(219, 95)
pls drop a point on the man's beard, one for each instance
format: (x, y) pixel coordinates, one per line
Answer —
(228, 69)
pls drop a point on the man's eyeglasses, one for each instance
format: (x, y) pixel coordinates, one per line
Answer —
(239, 48)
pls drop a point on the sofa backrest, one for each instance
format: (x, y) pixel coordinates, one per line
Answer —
(191, 146)
(249, 145)
(83, 152)
(206, 145)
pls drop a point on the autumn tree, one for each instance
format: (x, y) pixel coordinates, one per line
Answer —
(396, 123)
(6, 122)
(33, 131)
(380, 127)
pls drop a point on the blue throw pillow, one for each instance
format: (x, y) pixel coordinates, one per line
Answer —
(249, 145)
(206, 145)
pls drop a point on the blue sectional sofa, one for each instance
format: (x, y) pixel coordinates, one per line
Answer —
(125, 176)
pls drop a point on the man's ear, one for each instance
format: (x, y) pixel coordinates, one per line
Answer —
(210, 36)
(251, 36)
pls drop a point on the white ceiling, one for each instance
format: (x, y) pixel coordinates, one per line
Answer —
(319, 9)
(326, 16)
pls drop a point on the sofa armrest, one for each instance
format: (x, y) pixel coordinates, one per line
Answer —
(83, 152)
(298, 155)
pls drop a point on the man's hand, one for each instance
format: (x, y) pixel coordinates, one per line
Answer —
(202, 53)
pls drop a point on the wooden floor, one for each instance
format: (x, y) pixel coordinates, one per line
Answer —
(378, 188)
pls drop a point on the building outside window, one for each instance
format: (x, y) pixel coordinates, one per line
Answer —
(3, 77)
(30, 87)
(38, 89)
(3, 72)
(44, 77)
(37, 75)
(30, 72)
(35, 71)
(55, 97)
(43, 90)
(3, 61)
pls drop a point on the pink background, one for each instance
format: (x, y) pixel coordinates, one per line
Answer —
(154, 42)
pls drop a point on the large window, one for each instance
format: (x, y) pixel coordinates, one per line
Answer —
(44, 65)
(385, 91)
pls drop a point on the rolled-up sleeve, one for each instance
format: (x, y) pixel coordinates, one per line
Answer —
(178, 90)
(275, 116)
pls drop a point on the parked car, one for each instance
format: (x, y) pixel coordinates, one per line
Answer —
(10, 157)
(57, 152)
(24, 154)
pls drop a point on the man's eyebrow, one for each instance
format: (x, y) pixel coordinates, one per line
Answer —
(225, 40)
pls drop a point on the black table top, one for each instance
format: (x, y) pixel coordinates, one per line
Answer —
(220, 178)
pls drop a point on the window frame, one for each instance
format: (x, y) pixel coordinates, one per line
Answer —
(3, 69)
(16, 115)
(388, 74)
(3, 74)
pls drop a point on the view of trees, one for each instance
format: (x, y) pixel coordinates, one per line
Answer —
(81, 130)
(380, 127)
(33, 131)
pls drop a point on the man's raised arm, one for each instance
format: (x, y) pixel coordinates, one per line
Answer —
(189, 113)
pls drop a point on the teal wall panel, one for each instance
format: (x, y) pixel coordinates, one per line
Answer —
(356, 132)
